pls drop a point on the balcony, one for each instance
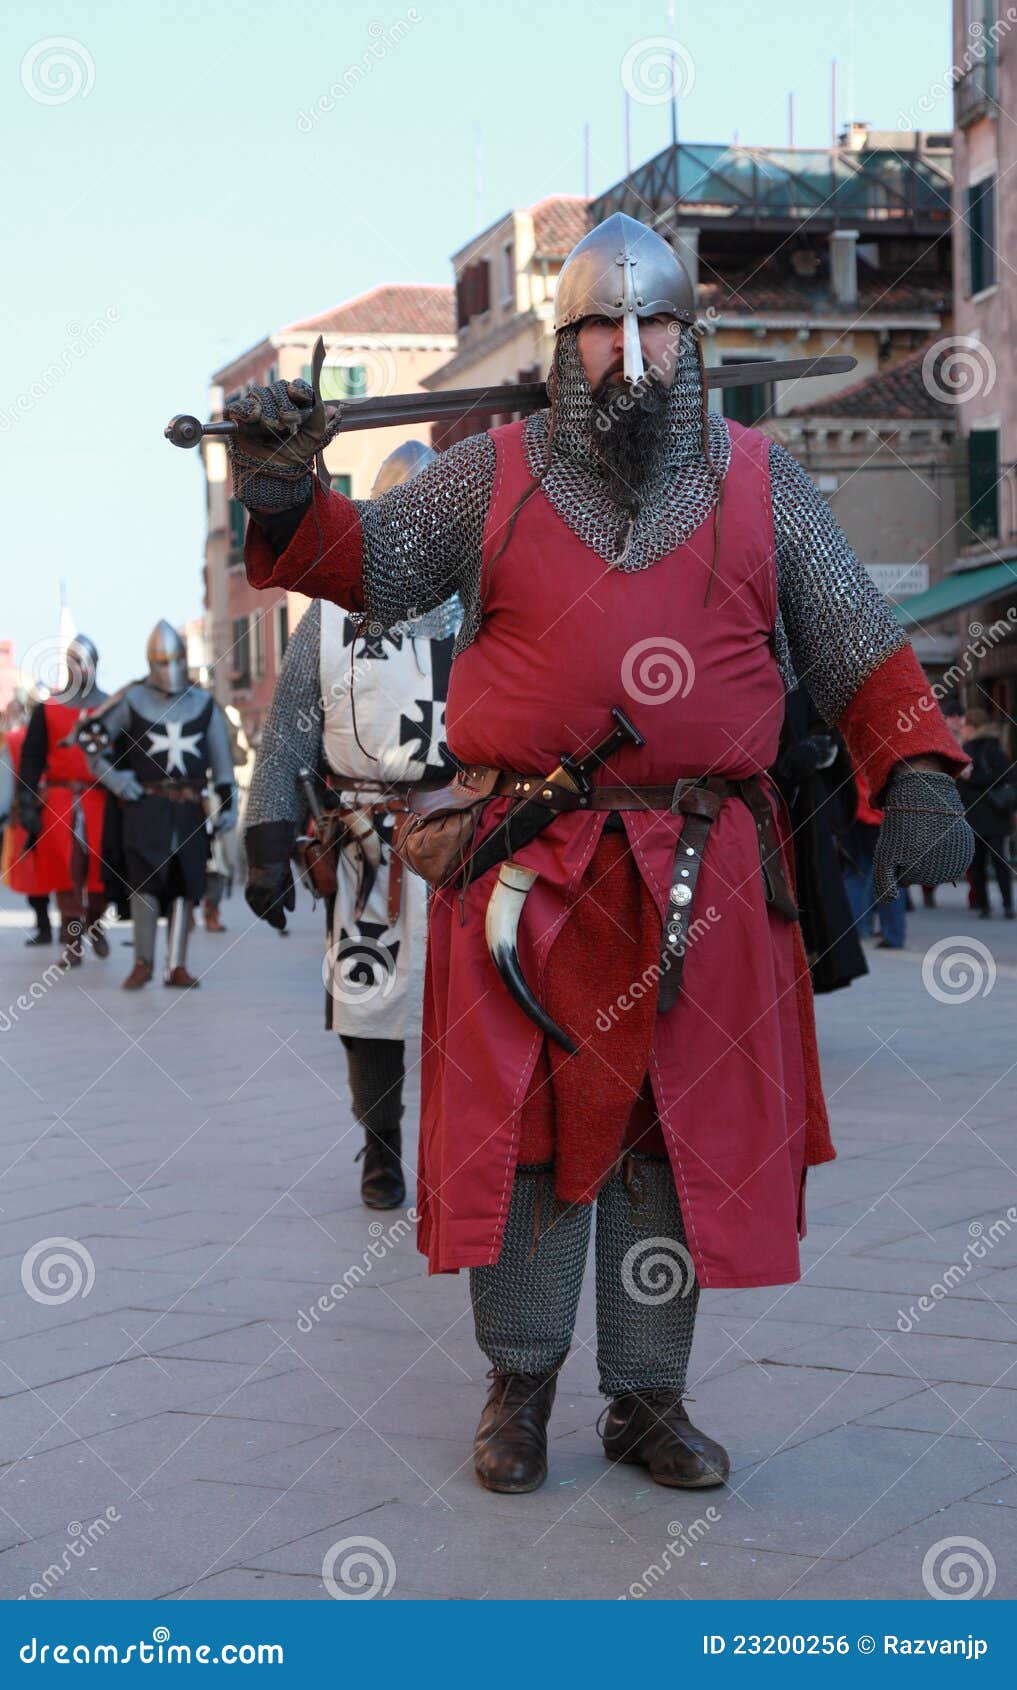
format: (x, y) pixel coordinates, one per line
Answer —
(974, 96)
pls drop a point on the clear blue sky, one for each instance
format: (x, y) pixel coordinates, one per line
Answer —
(183, 205)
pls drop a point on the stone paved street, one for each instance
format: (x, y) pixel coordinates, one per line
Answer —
(197, 1149)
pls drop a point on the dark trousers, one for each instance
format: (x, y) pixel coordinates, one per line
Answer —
(991, 853)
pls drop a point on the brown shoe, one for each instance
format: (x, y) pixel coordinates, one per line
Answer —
(510, 1448)
(100, 943)
(72, 943)
(139, 976)
(179, 977)
(652, 1429)
(212, 921)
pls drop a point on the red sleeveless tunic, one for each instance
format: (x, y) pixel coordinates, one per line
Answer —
(66, 764)
(564, 638)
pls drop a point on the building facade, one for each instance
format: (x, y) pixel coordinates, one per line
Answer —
(973, 608)
(504, 293)
(385, 341)
(883, 452)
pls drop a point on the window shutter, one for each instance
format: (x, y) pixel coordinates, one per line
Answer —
(983, 482)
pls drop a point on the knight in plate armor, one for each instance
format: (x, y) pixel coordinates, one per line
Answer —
(619, 1016)
(153, 747)
(360, 713)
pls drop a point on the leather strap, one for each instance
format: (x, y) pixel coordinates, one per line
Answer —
(700, 806)
(178, 793)
(395, 887)
(778, 892)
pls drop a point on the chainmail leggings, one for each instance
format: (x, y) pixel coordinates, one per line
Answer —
(376, 1069)
(524, 1307)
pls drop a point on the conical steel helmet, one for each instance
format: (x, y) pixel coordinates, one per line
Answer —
(624, 269)
(402, 465)
(167, 658)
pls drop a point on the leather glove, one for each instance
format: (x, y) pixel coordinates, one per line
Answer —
(924, 839)
(29, 816)
(124, 783)
(280, 429)
(270, 890)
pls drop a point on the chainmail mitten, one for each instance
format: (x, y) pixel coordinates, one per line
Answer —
(647, 1292)
(924, 839)
(524, 1308)
(281, 428)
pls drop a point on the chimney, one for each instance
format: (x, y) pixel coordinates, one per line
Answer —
(686, 245)
(854, 136)
(844, 266)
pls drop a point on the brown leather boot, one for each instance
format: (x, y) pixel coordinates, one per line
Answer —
(212, 921)
(179, 977)
(652, 1429)
(72, 943)
(510, 1448)
(139, 976)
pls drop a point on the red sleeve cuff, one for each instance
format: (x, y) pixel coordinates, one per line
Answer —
(894, 715)
(324, 559)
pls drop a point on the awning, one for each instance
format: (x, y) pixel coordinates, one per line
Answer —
(957, 591)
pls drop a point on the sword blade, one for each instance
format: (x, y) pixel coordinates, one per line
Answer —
(521, 397)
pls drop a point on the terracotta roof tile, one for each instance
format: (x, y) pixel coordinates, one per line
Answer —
(558, 223)
(764, 293)
(899, 391)
(393, 308)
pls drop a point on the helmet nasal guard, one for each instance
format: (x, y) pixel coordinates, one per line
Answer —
(624, 269)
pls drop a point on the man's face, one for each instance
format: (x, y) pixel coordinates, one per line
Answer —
(602, 349)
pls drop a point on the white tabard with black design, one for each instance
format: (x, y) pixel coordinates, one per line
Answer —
(399, 688)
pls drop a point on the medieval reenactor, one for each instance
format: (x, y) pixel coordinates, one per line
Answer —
(618, 1006)
(18, 868)
(154, 746)
(366, 712)
(61, 809)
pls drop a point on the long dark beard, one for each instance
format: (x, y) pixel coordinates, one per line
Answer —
(629, 430)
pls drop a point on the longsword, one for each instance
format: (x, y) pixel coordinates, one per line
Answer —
(522, 397)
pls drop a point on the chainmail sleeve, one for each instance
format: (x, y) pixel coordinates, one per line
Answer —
(834, 627)
(291, 738)
(422, 539)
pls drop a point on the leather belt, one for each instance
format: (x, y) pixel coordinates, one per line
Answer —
(178, 792)
(386, 798)
(699, 800)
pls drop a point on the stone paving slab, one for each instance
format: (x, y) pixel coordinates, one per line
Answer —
(208, 1171)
